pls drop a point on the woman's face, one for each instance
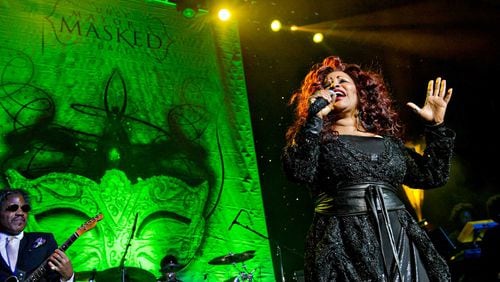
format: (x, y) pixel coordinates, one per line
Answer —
(342, 84)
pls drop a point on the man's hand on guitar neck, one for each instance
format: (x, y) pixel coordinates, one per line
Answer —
(59, 262)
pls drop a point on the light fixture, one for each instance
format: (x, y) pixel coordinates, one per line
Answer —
(276, 25)
(318, 37)
(188, 8)
(224, 14)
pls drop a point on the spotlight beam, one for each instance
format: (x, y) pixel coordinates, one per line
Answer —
(428, 28)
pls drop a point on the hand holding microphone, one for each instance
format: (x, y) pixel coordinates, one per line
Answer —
(320, 100)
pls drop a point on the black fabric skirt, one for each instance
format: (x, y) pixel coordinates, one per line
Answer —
(362, 245)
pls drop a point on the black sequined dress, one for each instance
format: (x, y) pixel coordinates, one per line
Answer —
(360, 224)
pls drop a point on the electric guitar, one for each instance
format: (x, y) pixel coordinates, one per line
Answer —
(42, 269)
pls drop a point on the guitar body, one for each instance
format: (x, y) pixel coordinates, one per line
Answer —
(31, 258)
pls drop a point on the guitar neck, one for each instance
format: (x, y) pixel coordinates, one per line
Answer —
(69, 242)
(42, 269)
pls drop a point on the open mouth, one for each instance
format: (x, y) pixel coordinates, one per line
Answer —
(339, 93)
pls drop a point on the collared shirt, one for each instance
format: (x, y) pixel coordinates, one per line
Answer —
(3, 243)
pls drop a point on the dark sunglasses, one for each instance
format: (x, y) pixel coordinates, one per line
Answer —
(15, 207)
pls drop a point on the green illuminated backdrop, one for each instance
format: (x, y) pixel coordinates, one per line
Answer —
(126, 108)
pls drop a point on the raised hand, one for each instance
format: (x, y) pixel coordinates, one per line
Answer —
(435, 104)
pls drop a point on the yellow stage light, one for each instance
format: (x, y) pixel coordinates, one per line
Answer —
(318, 37)
(224, 14)
(276, 25)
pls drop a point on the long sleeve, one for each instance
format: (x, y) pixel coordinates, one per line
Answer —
(300, 160)
(432, 169)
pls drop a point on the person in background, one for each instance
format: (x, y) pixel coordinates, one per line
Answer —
(461, 213)
(462, 264)
(346, 146)
(490, 244)
(169, 266)
(25, 252)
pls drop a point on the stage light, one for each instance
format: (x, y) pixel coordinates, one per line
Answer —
(188, 8)
(224, 14)
(294, 28)
(276, 25)
(318, 37)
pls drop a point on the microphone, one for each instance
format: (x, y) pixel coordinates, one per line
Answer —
(235, 220)
(319, 103)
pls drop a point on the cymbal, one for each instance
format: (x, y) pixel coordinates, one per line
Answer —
(232, 258)
(132, 274)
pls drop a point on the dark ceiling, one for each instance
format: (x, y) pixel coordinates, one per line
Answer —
(411, 42)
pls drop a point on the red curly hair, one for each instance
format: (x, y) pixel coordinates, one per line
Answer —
(377, 113)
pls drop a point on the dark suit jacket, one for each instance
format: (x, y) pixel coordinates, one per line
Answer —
(34, 249)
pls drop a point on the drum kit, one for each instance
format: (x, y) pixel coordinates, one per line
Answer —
(231, 258)
(170, 267)
(133, 274)
(169, 272)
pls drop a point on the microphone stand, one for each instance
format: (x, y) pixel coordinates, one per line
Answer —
(251, 230)
(122, 261)
(92, 278)
(278, 252)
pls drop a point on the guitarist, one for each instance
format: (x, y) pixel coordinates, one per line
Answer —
(32, 248)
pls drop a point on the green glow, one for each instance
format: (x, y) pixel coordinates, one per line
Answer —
(124, 109)
(114, 154)
(188, 13)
